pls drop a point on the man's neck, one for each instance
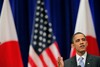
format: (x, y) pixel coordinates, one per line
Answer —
(80, 53)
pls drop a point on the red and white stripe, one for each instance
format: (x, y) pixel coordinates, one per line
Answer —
(48, 58)
(34, 58)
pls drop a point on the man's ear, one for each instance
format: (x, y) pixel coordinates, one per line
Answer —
(72, 45)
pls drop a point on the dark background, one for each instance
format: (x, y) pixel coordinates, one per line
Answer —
(62, 15)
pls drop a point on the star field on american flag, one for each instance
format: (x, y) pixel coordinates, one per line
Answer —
(43, 46)
(42, 35)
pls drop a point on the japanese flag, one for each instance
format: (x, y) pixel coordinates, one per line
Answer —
(85, 25)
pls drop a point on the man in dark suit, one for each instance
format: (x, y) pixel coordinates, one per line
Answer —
(82, 58)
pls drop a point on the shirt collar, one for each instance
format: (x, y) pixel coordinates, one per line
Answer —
(84, 56)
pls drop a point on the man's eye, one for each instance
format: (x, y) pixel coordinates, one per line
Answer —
(77, 40)
(83, 39)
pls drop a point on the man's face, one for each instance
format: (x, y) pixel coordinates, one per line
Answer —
(80, 43)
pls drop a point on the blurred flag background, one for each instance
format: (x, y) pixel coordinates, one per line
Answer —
(63, 15)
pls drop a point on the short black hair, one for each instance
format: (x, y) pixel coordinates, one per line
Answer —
(76, 34)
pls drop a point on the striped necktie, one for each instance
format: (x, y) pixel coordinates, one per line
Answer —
(81, 63)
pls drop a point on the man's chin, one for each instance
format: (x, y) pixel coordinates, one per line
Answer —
(82, 51)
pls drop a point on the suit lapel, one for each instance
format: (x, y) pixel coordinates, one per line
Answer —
(73, 62)
(88, 61)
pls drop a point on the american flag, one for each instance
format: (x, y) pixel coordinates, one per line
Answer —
(43, 50)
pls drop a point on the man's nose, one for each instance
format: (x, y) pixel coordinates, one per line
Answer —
(81, 41)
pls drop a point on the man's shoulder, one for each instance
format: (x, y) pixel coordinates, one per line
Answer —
(70, 62)
(70, 59)
(94, 57)
(67, 60)
(94, 60)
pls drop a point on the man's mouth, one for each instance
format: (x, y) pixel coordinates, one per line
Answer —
(82, 46)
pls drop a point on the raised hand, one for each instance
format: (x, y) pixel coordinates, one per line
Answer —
(60, 62)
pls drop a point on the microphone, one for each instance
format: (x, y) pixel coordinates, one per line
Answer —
(78, 66)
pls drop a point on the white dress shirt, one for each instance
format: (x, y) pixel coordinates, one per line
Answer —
(84, 56)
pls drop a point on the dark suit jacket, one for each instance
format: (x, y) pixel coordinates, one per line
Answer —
(91, 61)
